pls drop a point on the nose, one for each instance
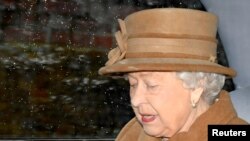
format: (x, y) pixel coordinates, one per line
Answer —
(137, 96)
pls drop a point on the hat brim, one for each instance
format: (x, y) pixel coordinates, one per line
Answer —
(165, 64)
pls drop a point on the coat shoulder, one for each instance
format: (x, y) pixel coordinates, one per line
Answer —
(130, 131)
(239, 121)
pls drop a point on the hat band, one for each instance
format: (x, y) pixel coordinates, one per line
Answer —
(171, 36)
(168, 55)
(189, 47)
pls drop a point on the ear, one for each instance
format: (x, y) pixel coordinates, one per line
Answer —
(196, 94)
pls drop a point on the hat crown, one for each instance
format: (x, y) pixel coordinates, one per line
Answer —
(170, 33)
(172, 22)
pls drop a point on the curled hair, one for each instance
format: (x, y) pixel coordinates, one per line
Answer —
(211, 82)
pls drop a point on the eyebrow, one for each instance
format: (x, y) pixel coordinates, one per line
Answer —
(143, 74)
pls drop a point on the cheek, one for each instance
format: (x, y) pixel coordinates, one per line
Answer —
(173, 110)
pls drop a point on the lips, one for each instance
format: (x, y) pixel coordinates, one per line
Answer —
(148, 118)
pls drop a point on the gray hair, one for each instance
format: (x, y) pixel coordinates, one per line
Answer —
(211, 82)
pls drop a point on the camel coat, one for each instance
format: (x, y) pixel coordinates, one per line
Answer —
(221, 112)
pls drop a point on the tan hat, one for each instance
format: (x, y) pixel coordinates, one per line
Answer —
(166, 39)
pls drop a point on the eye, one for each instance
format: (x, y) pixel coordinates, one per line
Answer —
(132, 82)
(133, 86)
(152, 86)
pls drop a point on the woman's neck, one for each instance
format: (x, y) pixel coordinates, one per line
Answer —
(201, 107)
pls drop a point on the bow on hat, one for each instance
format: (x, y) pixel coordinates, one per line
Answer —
(119, 52)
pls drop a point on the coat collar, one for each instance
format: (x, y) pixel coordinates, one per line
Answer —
(221, 112)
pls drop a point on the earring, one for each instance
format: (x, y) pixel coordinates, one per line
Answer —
(193, 104)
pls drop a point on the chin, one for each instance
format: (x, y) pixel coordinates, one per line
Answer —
(155, 132)
(158, 132)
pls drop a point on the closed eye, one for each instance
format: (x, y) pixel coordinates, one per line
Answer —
(133, 85)
(152, 86)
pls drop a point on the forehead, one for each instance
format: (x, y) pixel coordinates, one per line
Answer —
(150, 74)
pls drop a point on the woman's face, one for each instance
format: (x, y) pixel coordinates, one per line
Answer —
(160, 102)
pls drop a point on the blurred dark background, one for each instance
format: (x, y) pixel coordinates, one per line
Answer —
(50, 52)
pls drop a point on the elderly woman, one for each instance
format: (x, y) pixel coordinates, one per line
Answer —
(168, 56)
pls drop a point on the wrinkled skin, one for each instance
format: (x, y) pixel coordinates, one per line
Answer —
(161, 104)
